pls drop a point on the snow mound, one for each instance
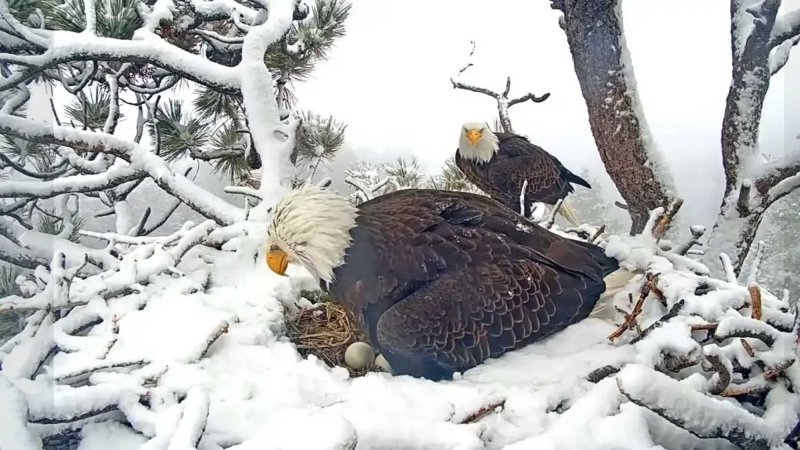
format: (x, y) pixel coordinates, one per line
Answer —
(182, 345)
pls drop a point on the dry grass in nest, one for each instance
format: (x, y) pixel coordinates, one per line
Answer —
(325, 331)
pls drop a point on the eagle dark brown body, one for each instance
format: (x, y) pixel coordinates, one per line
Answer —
(517, 160)
(440, 281)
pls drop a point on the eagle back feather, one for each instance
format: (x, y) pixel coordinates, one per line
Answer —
(442, 280)
(516, 161)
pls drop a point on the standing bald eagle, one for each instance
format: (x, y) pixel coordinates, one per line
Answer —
(500, 163)
(438, 281)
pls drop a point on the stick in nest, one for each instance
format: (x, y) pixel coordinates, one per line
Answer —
(663, 223)
(483, 412)
(755, 300)
(630, 319)
(597, 234)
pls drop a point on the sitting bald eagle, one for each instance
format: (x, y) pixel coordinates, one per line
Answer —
(500, 163)
(438, 281)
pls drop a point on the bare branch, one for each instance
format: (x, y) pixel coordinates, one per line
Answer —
(529, 96)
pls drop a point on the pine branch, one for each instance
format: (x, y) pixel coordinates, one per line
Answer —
(148, 164)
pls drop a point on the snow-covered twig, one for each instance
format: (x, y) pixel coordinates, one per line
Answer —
(552, 218)
(522, 198)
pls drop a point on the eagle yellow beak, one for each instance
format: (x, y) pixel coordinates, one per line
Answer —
(473, 136)
(277, 260)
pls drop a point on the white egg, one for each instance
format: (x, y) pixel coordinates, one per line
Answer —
(359, 355)
(381, 362)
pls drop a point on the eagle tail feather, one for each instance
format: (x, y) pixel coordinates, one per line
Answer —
(572, 178)
(568, 213)
(615, 282)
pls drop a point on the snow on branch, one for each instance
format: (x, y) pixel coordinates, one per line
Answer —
(690, 410)
(786, 28)
(502, 98)
(141, 161)
(738, 342)
(66, 47)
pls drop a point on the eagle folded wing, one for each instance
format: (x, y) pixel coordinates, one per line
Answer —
(545, 183)
(463, 318)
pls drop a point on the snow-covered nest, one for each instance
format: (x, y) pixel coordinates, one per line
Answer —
(182, 344)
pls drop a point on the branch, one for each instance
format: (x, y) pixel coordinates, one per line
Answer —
(142, 162)
(691, 410)
(780, 55)
(65, 47)
(786, 27)
(115, 176)
(529, 96)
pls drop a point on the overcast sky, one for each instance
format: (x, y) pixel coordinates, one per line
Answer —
(388, 79)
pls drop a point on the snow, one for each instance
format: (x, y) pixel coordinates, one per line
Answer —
(261, 106)
(215, 365)
(655, 160)
(142, 161)
(684, 403)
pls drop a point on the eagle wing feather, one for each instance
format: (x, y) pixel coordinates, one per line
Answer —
(440, 280)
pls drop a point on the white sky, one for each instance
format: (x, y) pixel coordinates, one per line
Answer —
(388, 79)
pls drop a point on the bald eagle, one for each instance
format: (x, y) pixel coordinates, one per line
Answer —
(501, 163)
(438, 281)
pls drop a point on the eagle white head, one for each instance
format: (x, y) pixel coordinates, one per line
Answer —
(477, 142)
(310, 226)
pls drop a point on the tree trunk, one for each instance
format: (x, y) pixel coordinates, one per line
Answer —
(741, 211)
(594, 33)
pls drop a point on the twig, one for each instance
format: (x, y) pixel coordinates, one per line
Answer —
(747, 348)
(666, 218)
(727, 266)
(723, 375)
(673, 312)
(481, 413)
(552, 219)
(597, 234)
(755, 301)
(601, 373)
(756, 264)
(630, 319)
(697, 232)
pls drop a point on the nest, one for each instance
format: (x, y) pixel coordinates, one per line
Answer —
(325, 330)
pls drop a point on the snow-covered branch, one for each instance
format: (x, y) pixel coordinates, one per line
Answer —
(141, 161)
(786, 28)
(66, 47)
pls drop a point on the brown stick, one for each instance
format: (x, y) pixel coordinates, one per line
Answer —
(666, 219)
(705, 327)
(755, 301)
(748, 348)
(483, 412)
(630, 319)
(597, 233)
